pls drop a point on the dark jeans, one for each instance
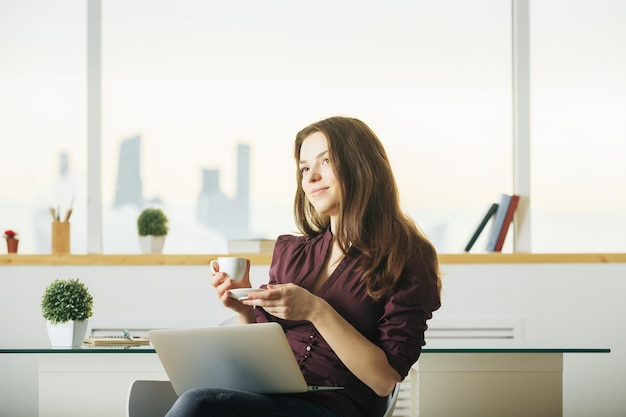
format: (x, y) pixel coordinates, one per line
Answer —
(215, 402)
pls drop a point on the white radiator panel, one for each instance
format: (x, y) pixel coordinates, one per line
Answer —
(455, 329)
(475, 328)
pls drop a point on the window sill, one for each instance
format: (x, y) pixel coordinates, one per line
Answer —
(265, 259)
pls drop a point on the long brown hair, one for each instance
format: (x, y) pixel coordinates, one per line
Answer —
(371, 222)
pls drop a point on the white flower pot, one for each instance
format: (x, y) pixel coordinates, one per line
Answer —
(151, 244)
(68, 334)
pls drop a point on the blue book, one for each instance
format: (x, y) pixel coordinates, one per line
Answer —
(498, 222)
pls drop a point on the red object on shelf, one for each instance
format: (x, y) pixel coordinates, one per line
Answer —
(510, 212)
(12, 245)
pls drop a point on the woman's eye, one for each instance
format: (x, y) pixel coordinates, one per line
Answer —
(304, 169)
(325, 161)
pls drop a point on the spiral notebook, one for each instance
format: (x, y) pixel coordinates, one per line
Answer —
(251, 357)
(116, 341)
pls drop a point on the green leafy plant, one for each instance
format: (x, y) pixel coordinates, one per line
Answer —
(152, 221)
(65, 300)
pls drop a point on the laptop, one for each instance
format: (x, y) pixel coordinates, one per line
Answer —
(254, 357)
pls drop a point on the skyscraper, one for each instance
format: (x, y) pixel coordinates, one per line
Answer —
(231, 217)
(242, 197)
(212, 202)
(129, 188)
(64, 165)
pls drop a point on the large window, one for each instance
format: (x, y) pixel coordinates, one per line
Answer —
(578, 73)
(42, 119)
(186, 82)
(201, 102)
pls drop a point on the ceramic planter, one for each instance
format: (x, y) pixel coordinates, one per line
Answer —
(12, 245)
(68, 334)
(151, 244)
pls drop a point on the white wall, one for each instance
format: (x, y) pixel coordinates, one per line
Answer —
(560, 305)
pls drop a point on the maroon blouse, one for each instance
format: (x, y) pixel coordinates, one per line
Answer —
(396, 324)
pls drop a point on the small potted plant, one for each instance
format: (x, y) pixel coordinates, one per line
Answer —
(12, 241)
(67, 305)
(152, 228)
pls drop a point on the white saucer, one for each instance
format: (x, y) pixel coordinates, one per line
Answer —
(242, 293)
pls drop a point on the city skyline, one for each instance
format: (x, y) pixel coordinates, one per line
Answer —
(229, 216)
(439, 97)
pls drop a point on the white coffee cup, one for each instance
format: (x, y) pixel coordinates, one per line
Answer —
(234, 268)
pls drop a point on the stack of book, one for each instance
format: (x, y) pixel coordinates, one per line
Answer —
(502, 214)
(116, 341)
(251, 246)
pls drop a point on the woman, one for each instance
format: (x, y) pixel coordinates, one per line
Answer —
(353, 293)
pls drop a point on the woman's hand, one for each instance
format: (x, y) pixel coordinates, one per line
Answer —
(223, 285)
(364, 359)
(285, 301)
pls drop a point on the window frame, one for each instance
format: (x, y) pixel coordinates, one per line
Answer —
(520, 86)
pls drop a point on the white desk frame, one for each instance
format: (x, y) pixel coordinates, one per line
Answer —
(490, 384)
(464, 382)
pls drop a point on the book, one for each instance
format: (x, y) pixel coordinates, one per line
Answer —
(481, 226)
(498, 221)
(116, 341)
(508, 218)
(251, 246)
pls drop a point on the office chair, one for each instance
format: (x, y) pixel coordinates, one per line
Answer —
(148, 398)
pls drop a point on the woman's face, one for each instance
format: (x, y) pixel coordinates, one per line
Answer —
(319, 182)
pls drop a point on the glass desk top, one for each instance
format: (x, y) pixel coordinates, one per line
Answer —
(150, 349)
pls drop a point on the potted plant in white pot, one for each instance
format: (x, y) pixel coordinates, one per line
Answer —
(67, 305)
(152, 228)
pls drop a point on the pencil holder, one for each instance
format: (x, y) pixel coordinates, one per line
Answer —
(60, 237)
